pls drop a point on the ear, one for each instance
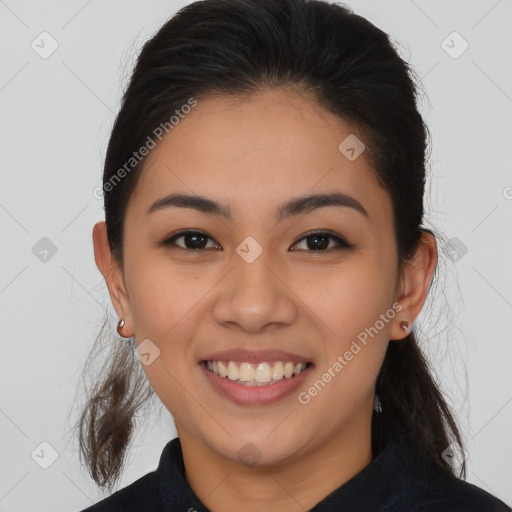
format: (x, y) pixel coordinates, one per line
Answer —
(414, 284)
(113, 274)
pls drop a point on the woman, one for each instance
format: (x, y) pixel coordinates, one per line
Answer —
(263, 247)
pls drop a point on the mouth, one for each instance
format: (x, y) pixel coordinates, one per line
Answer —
(256, 374)
(255, 383)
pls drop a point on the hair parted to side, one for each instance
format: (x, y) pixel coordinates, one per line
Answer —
(349, 66)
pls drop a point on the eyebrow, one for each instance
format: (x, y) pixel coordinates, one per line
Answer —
(295, 206)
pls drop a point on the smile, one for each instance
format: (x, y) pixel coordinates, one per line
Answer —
(260, 374)
(255, 384)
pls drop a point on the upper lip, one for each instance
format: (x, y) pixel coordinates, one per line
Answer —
(256, 356)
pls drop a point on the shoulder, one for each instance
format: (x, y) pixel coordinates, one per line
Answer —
(143, 495)
(450, 494)
(434, 490)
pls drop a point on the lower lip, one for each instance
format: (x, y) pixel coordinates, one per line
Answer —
(254, 395)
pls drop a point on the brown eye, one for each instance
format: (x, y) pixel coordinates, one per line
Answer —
(319, 241)
(315, 242)
(192, 240)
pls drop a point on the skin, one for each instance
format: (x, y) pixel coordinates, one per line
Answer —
(254, 154)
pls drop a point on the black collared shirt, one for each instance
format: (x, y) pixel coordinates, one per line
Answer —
(394, 481)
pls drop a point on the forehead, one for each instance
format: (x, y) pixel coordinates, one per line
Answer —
(258, 149)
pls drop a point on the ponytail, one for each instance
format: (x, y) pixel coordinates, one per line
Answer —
(412, 403)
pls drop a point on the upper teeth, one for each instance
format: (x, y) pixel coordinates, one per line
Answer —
(259, 373)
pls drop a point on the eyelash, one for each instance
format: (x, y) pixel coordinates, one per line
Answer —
(342, 244)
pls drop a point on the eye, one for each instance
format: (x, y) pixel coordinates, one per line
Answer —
(193, 240)
(319, 241)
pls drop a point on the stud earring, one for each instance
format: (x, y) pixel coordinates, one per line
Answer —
(120, 325)
(404, 325)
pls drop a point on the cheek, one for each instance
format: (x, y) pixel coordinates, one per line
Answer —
(357, 310)
(162, 295)
(352, 296)
(165, 309)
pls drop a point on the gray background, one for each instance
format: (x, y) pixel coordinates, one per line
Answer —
(56, 116)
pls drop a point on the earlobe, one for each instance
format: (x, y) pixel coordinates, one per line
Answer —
(112, 273)
(416, 278)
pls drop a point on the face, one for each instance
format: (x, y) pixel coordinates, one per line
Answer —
(255, 286)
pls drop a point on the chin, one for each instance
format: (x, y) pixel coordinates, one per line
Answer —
(257, 448)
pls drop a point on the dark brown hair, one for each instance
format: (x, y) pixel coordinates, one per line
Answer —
(349, 66)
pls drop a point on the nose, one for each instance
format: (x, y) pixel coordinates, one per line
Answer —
(254, 297)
